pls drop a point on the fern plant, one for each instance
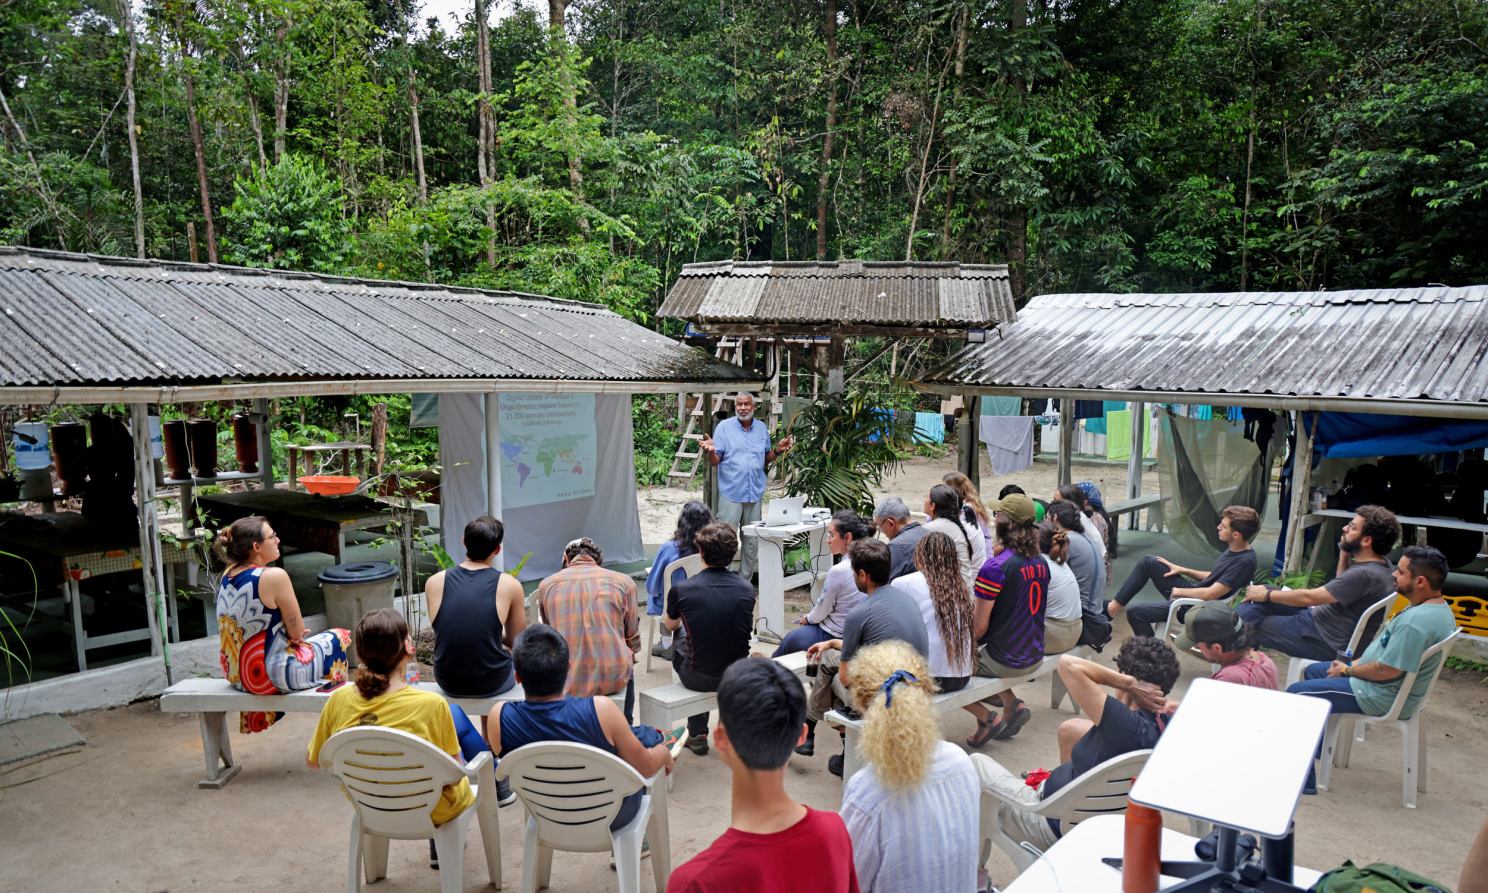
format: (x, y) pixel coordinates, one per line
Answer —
(844, 445)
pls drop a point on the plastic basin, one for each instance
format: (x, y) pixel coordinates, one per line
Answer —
(330, 484)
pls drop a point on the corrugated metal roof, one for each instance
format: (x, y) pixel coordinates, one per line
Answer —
(1417, 344)
(73, 320)
(891, 294)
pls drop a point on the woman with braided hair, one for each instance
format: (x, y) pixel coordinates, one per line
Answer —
(907, 810)
(936, 587)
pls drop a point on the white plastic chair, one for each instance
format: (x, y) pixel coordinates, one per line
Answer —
(572, 792)
(1413, 740)
(1296, 665)
(1101, 791)
(693, 565)
(1171, 627)
(394, 780)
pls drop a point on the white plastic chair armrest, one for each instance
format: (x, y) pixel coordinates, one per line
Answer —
(481, 765)
(1379, 606)
(1174, 607)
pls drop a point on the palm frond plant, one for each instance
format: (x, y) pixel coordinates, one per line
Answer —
(14, 651)
(844, 445)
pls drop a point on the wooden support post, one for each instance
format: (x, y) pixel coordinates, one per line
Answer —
(710, 474)
(265, 443)
(968, 438)
(836, 359)
(1134, 465)
(1066, 440)
(1301, 485)
(151, 568)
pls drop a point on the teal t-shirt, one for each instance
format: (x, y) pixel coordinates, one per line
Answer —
(1400, 645)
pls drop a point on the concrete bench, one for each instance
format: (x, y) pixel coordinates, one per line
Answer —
(213, 699)
(667, 705)
(978, 688)
(1131, 506)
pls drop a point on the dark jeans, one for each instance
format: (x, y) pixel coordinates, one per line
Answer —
(697, 724)
(801, 638)
(1336, 690)
(1287, 629)
(630, 699)
(649, 738)
(1142, 617)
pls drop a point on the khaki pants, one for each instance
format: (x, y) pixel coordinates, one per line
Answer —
(1018, 823)
(827, 691)
(735, 514)
(1061, 635)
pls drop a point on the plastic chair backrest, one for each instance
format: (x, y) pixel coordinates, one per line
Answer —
(572, 790)
(691, 564)
(1101, 791)
(1363, 624)
(393, 778)
(1409, 682)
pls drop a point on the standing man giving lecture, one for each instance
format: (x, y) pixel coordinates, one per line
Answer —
(741, 449)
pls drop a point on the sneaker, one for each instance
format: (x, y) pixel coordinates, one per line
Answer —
(808, 747)
(698, 744)
(661, 651)
(505, 796)
(671, 738)
(834, 765)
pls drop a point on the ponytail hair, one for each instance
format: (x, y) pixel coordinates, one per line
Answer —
(947, 504)
(969, 495)
(1068, 515)
(234, 543)
(1054, 542)
(381, 646)
(900, 729)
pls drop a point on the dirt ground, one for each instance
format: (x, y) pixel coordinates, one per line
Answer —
(124, 813)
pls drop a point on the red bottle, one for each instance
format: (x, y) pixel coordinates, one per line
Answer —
(1142, 857)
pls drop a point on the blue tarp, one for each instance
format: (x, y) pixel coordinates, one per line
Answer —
(1346, 435)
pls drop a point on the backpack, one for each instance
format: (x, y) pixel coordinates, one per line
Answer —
(1095, 628)
(1377, 877)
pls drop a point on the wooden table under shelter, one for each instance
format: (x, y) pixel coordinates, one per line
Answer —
(304, 520)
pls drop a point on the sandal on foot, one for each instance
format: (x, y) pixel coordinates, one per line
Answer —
(985, 732)
(1013, 724)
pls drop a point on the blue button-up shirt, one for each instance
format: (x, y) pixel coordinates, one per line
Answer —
(741, 465)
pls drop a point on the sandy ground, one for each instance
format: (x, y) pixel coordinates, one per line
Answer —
(124, 813)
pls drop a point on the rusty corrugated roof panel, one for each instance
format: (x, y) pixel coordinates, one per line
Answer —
(1375, 344)
(892, 294)
(73, 320)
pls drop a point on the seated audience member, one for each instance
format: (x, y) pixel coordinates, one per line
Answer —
(839, 593)
(1233, 571)
(1095, 509)
(892, 519)
(1220, 637)
(973, 512)
(1319, 623)
(1095, 524)
(594, 609)
(944, 508)
(547, 714)
(1474, 877)
(886, 612)
(1040, 508)
(476, 612)
(1083, 559)
(1009, 619)
(716, 608)
(936, 588)
(773, 843)
(908, 810)
(1370, 685)
(381, 697)
(1063, 621)
(694, 517)
(265, 647)
(1114, 724)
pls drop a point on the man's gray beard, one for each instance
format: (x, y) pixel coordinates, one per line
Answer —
(745, 418)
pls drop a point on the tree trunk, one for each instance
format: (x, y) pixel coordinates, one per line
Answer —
(963, 17)
(1018, 217)
(197, 143)
(485, 155)
(126, 18)
(829, 31)
(558, 34)
(281, 86)
(41, 184)
(418, 138)
(919, 196)
(1245, 211)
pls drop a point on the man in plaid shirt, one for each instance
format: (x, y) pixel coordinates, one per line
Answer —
(595, 611)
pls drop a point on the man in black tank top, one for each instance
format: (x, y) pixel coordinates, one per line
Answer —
(477, 612)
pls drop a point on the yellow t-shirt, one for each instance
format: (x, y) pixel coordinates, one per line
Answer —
(408, 709)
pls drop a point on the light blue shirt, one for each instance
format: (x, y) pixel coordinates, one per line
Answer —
(741, 465)
(1400, 644)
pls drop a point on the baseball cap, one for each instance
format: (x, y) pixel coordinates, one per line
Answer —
(1016, 506)
(1213, 623)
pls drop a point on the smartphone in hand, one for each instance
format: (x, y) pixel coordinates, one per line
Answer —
(332, 685)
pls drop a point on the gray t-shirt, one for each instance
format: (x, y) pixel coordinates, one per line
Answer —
(887, 613)
(1363, 584)
(1090, 572)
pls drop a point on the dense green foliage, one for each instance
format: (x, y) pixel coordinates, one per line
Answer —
(1094, 144)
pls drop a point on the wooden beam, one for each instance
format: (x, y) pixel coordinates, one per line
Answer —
(1301, 487)
(836, 357)
(968, 437)
(1134, 465)
(151, 568)
(836, 328)
(1067, 423)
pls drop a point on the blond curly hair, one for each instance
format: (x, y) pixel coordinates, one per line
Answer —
(899, 740)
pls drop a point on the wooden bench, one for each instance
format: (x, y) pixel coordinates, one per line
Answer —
(1131, 506)
(978, 688)
(213, 699)
(666, 705)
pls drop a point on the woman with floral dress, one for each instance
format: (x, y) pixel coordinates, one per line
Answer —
(265, 648)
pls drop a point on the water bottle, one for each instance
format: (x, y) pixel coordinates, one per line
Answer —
(1141, 850)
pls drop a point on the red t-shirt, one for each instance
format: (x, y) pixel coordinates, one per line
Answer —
(775, 863)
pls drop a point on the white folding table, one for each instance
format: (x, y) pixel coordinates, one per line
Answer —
(773, 582)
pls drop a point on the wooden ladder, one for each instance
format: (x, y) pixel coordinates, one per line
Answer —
(687, 459)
